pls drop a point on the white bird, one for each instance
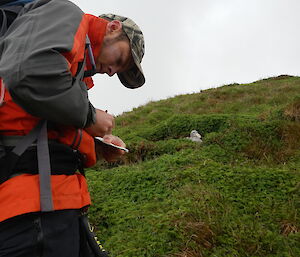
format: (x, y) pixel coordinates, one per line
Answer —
(195, 136)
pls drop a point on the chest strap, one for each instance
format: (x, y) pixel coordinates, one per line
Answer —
(44, 169)
(40, 136)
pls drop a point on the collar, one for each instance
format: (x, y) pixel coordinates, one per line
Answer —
(96, 33)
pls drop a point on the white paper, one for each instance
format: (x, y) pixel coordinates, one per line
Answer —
(110, 144)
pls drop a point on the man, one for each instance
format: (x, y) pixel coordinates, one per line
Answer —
(47, 56)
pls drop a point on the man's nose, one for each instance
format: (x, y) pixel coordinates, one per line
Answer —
(111, 71)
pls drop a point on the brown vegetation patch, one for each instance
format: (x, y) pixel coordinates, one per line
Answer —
(201, 234)
(199, 225)
(287, 228)
(200, 237)
(292, 111)
(189, 253)
(291, 137)
(258, 150)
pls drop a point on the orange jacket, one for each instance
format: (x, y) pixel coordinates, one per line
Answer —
(20, 194)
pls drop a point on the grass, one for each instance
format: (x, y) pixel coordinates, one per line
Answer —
(236, 194)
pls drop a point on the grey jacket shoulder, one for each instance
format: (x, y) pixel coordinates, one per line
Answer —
(33, 68)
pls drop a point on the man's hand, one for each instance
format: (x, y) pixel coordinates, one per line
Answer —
(107, 152)
(104, 124)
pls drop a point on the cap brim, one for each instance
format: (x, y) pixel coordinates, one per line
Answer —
(133, 78)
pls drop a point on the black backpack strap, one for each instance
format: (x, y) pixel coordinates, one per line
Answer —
(88, 47)
(89, 244)
(80, 73)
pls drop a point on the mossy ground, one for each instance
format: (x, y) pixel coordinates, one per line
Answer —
(236, 194)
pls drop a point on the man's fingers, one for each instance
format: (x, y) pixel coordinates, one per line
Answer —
(103, 125)
(114, 140)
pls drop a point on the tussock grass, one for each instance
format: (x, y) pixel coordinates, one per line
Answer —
(236, 194)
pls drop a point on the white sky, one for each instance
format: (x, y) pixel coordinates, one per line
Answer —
(199, 44)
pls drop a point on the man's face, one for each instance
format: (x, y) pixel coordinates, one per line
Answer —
(115, 55)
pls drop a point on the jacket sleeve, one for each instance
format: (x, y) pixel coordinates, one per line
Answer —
(34, 70)
(47, 89)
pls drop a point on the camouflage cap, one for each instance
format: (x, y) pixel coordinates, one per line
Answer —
(134, 77)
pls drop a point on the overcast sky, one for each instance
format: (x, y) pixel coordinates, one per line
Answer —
(199, 44)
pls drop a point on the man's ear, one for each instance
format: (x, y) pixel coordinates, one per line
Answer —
(113, 26)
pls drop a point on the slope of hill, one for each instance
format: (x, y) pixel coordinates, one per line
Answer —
(236, 194)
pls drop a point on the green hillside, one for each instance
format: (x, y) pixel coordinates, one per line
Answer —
(236, 194)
